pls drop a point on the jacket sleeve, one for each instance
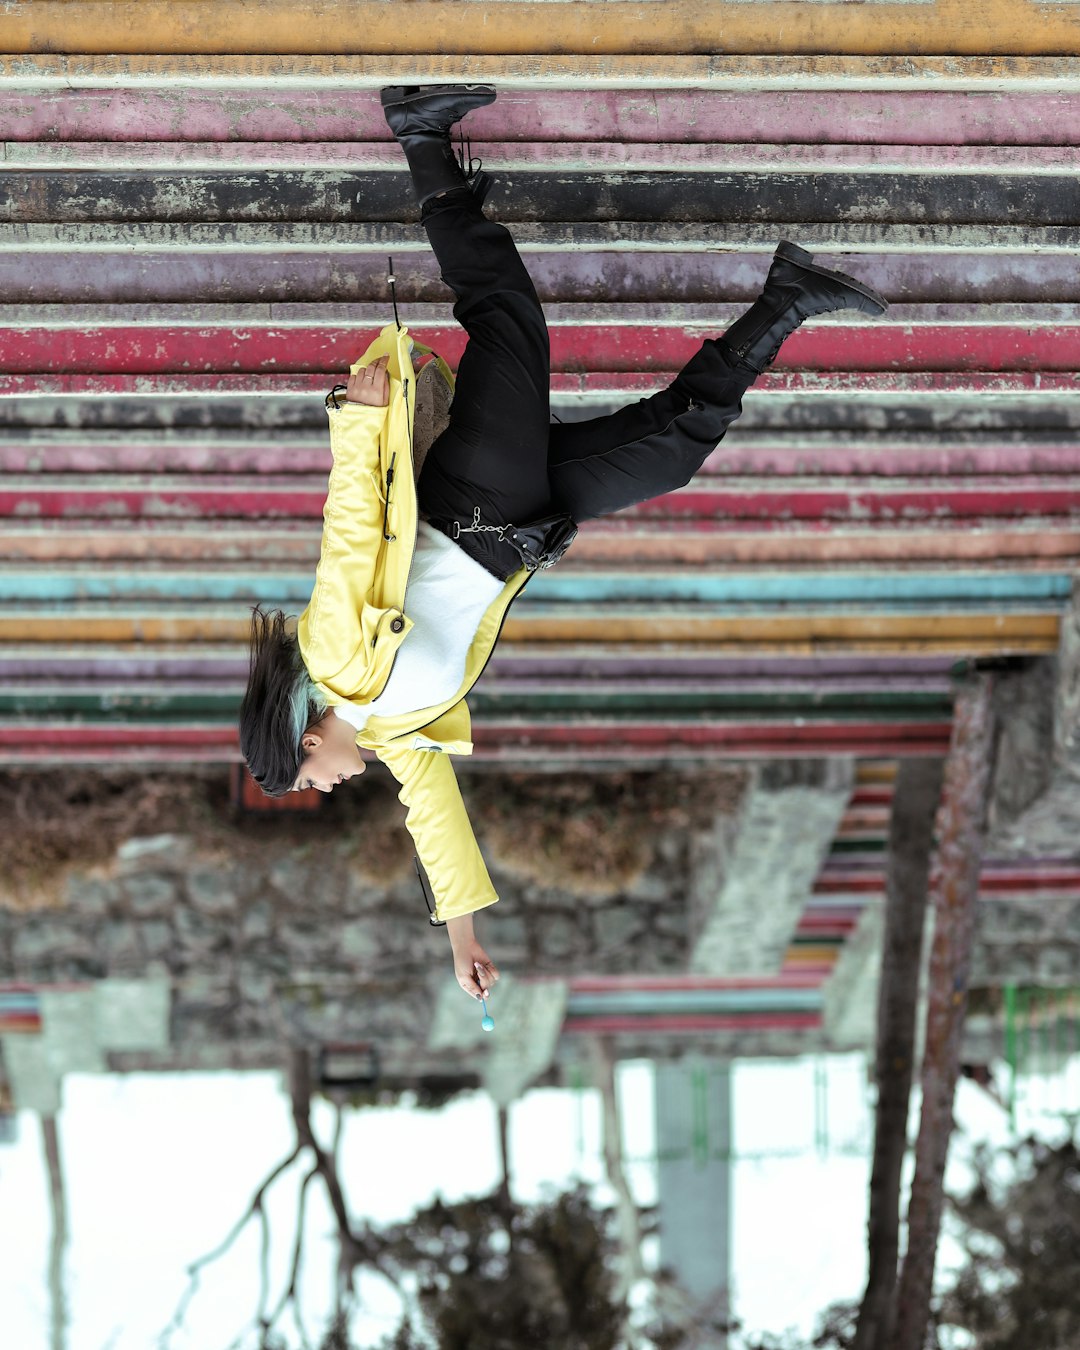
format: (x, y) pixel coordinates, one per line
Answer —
(331, 628)
(440, 827)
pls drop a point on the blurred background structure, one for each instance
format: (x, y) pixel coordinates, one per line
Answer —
(198, 203)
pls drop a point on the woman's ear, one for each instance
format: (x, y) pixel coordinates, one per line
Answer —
(311, 739)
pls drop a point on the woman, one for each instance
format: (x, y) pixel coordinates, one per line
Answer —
(414, 580)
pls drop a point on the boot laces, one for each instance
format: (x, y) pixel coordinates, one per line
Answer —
(469, 167)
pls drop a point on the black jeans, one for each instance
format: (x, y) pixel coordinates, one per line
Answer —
(500, 453)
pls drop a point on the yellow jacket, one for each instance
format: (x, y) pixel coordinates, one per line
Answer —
(357, 618)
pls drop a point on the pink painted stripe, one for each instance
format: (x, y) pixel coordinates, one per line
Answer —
(627, 115)
(278, 351)
(593, 384)
(737, 457)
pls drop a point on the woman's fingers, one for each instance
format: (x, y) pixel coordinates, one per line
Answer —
(478, 982)
(370, 384)
(487, 972)
(486, 975)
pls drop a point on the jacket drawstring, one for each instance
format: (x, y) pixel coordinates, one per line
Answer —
(393, 292)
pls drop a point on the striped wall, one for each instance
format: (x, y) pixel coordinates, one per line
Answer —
(194, 234)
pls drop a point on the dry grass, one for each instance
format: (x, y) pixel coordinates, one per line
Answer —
(75, 820)
(593, 835)
(60, 820)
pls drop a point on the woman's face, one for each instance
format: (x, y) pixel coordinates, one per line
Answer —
(331, 755)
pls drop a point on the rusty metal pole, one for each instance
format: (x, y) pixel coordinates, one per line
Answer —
(954, 888)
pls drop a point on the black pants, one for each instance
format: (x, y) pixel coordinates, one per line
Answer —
(500, 453)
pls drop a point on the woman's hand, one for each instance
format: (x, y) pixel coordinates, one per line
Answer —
(474, 970)
(370, 385)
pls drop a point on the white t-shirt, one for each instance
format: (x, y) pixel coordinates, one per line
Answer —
(448, 594)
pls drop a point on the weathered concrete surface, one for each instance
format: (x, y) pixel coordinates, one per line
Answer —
(1036, 808)
(529, 1025)
(850, 1013)
(79, 1027)
(781, 837)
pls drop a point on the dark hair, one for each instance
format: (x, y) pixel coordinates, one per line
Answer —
(279, 705)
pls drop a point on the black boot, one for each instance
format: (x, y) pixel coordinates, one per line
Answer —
(421, 118)
(795, 289)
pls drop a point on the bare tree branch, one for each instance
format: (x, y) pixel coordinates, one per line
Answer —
(631, 1265)
(911, 832)
(51, 1143)
(196, 1267)
(356, 1247)
(291, 1293)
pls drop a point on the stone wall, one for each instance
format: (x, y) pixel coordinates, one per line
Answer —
(272, 927)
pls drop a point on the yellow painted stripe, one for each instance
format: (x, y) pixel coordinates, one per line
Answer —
(912, 72)
(525, 27)
(945, 630)
(787, 634)
(875, 772)
(811, 956)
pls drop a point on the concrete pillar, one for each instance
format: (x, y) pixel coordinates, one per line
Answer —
(787, 822)
(693, 1144)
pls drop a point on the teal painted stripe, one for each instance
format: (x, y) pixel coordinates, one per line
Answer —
(805, 587)
(552, 588)
(644, 1002)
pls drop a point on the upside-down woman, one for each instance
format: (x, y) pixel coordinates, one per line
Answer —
(416, 576)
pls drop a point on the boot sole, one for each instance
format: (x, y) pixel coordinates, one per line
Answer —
(396, 95)
(792, 253)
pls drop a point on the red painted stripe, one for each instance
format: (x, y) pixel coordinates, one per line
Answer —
(585, 735)
(154, 349)
(859, 504)
(872, 796)
(694, 1022)
(27, 736)
(516, 758)
(602, 984)
(716, 507)
(824, 928)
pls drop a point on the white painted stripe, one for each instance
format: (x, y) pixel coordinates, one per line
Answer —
(562, 157)
(613, 237)
(878, 389)
(1054, 74)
